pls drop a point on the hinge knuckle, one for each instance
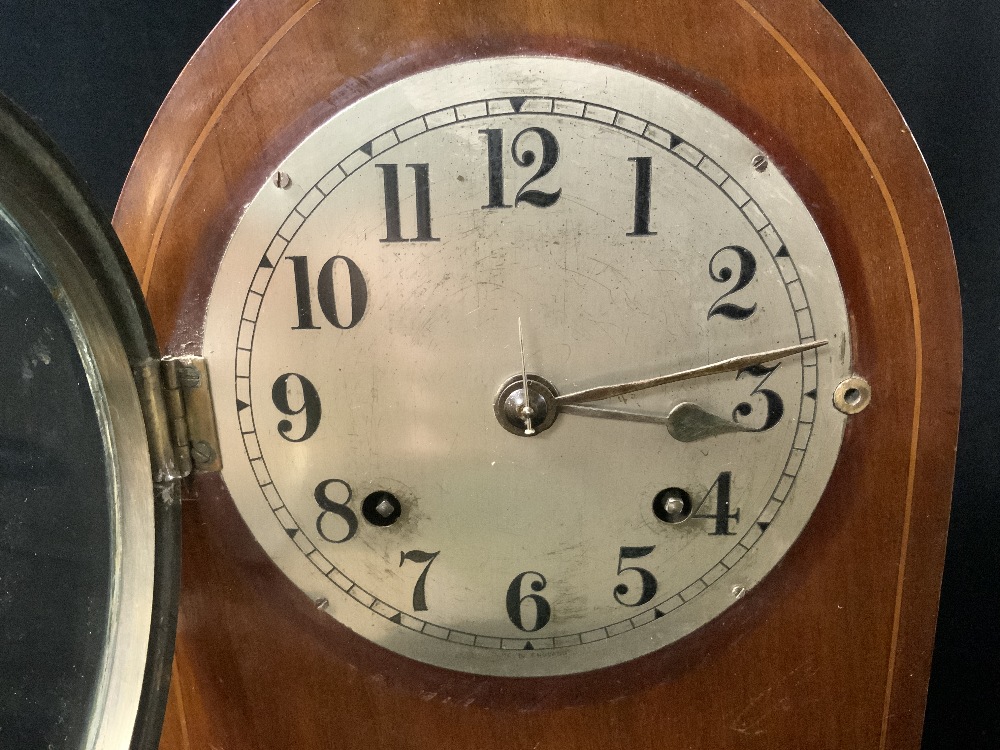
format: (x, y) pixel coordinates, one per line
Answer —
(158, 433)
(174, 398)
(180, 419)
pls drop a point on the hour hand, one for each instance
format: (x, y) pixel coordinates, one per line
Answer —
(686, 422)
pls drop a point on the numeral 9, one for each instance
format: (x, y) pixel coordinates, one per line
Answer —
(310, 407)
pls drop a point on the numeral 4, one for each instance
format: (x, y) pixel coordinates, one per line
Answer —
(722, 516)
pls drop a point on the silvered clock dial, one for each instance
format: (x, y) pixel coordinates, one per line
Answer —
(528, 366)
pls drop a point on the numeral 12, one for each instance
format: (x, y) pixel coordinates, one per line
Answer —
(523, 157)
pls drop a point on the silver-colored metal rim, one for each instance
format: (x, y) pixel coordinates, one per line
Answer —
(37, 204)
(116, 703)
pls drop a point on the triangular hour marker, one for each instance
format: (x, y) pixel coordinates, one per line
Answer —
(291, 533)
(517, 102)
(675, 141)
(812, 394)
(528, 647)
(265, 263)
(241, 405)
(657, 614)
(763, 525)
(397, 618)
(782, 253)
(367, 149)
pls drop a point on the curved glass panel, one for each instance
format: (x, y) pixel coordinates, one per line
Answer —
(56, 515)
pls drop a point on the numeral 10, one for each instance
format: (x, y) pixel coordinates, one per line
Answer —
(325, 292)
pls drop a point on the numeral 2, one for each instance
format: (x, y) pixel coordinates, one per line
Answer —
(390, 186)
(748, 267)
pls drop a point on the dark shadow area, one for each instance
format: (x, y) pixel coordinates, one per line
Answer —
(940, 60)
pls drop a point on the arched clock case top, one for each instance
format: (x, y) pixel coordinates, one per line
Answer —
(845, 619)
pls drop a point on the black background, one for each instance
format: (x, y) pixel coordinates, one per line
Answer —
(94, 73)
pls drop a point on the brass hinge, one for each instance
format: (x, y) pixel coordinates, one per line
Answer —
(180, 420)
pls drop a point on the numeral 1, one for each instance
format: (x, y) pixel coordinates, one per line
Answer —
(390, 184)
(643, 192)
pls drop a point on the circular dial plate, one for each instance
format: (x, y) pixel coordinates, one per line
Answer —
(367, 312)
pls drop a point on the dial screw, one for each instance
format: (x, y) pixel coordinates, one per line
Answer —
(760, 162)
(852, 395)
(739, 591)
(282, 180)
(322, 603)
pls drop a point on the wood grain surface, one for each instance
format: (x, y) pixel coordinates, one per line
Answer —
(832, 649)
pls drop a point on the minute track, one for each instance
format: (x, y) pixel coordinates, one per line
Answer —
(680, 148)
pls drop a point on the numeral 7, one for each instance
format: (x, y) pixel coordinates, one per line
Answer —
(419, 594)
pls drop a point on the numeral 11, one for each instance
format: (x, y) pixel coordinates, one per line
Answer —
(422, 182)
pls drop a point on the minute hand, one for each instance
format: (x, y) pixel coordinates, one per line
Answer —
(725, 365)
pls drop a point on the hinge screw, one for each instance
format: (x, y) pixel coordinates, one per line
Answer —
(202, 452)
(282, 180)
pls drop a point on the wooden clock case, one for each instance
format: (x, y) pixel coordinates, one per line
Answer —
(833, 648)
